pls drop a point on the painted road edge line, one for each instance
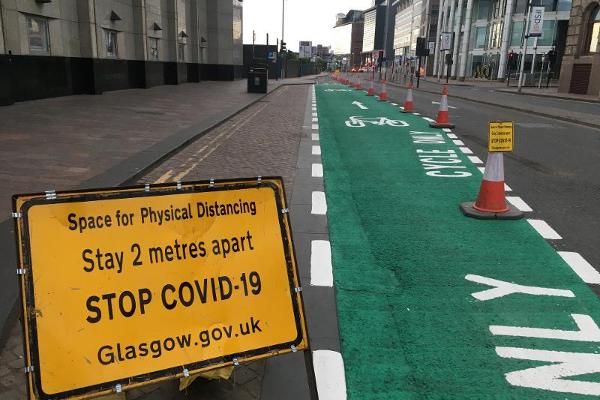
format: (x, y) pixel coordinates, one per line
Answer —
(315, 136)
(316, 150)
(319, 204)
(452, 136)
(475, 159)
(321, 271)
(458, 142)
(329, 374)
(544, 229)
(428, 119)
(519, 203)
(466, 150)
(315, 126)
(581, 267)
(317, 170)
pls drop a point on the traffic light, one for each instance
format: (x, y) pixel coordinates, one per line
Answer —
(283, 48)
(422, 50)
(512, 60)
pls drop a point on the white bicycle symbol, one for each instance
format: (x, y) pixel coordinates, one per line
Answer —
(356, 121)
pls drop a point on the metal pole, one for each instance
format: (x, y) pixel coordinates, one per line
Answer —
(534, 55)
(525, 37)
(541, 71)
(465, 42)
(505, 39)
(282, 40)
(438, 32)
(455, 43)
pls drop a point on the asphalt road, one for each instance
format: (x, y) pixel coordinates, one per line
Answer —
(554, 166)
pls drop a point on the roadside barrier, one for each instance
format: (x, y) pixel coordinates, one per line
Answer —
(491, 200)
(408, 103)
(442, 120)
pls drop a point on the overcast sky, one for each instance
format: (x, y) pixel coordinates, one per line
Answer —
(311, 20)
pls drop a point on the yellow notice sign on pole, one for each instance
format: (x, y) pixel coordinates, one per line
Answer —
(127, 286)
(501, 137)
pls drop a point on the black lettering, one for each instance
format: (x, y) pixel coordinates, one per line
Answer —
(184, 301)
(106, 357)
(84, 254)
(145, 298)
(94, 309)
(127, 312)
(108, 297)
(72, 223)
(171, 288)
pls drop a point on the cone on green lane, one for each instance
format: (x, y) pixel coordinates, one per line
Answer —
(383, 96)
(491, 201)
(408, 103)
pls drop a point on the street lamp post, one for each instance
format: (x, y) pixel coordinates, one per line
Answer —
(525, 40)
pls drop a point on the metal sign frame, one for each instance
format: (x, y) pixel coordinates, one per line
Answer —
(23, 202)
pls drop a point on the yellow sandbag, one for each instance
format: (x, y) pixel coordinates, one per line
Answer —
(219, 373)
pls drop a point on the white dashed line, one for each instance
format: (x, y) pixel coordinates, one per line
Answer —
(394, 104)
(321, 273)
(466, 150)
(316, 150)
(402, 107)
(428, 119)
(519, 203)
(319, 204)
(447, 130)
(317, 170)
(481, 169)
(314, 136)
(458, 142)
(586, 272)
(329, 374)
(475, 159)
(315, 126)
(544, 229)
(415, 113)
(315, 119)
(507, 188)
(314, 114)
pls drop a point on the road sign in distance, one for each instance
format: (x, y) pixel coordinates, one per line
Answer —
(126, 286)
(501, 137)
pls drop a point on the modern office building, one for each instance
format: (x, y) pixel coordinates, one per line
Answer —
(580, 72)
(61, 47)
(348, 36)
(484, 32)
(374, 32)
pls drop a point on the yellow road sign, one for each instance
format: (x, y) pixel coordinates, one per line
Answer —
(501, 137)
(127, 286)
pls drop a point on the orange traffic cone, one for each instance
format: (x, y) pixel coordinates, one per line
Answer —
(383, 96)
(358, 85)
(371, 90)
(408, 103)
(491, 201)
(442, 120)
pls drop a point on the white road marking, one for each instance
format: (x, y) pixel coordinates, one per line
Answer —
(587, 331)
(452, 136)
(413, 113)
(319, 204)
(544, 229)
(507, 188)
(317, 170)
(314, 114)
(458, 142)
(321, 273)
(402, 108)
(315, 119)
(316, 150)
(163, 178)
(447, 129)
(585, 270)
(466, 150)
(475, 159)
(329, 374)
(315, 136)
(360, 105)
(394, 104)
(428, 119)
(519, 203)
(315, 126)
(552, 377)
(503, 288)
(437, 102)
(481, 169)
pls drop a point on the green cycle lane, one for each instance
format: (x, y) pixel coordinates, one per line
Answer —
(428, 300)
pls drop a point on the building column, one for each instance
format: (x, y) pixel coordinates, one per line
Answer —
(464, 48)
(440, 62)
(505, 39)
(437, 38)
(456, 45)
(449, 29)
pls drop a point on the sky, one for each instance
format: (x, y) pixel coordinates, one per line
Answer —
(311, 20)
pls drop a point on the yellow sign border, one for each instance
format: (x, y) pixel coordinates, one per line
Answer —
(22, 202)
(512, 144)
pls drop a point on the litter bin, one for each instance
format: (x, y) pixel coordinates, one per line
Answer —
(257, 80)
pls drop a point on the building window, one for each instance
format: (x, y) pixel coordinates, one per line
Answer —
(480, 34)
(110, 41)
(516, 38)
(181, 52)
(37, 29)
(153, 49)
(593, 34)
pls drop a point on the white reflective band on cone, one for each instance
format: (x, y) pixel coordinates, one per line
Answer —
(444, 103)
(494, 168)
(409, 96)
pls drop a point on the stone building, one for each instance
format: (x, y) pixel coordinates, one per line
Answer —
(348, 36)
(61, 47)
(580, 72)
